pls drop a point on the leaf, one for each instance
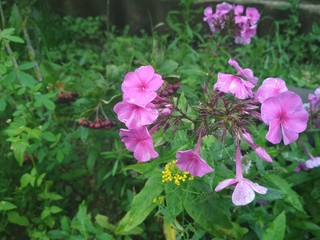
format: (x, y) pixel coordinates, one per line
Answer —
(206, 208)
(276, 229)
(27, 65)
(15, 218)
(142, 205)
(18, 150)
(14, 39)
(284, 187)
(3, 105)
(6, 206)
(48, 104)
(26, 79)
(168, 67)
(103, 221)
(50, 137)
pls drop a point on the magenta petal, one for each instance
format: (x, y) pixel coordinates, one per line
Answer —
(297, 121)
(223, 82)
(290, 102)
(155, 83)
(139, 98)
(289, 136)
(243, 194)
(190, 161)
(225, 183)
(270, 109)
(134, 116)
(131, 80)
(274, 134)
(145, 73)
(144, 151)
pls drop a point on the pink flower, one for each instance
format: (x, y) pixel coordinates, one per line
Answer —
(309, 164)
(229, 83)
(246, 73)
(139, 87)
(252, 15)
(244, 192)
(134, 116)
(190, 161)
(139, 142)
(223, 8)
(270, 87)
(208, 15)
(284, 112)
(238, 10)
(314, 100)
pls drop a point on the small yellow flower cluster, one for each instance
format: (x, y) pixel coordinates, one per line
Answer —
(172, 173)
(158, 200)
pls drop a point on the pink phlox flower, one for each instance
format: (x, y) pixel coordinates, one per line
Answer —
(134, 116)
(139, 87)
(246, 72)
(139, 142)
(190, 161)
(229, 83)
(244, 192)
(223, 8)
(252, 15)
(284, 113)
(238, 10)
(208, 14)
(314, 100)
(270, 87)
(309, 164)
(260, 151)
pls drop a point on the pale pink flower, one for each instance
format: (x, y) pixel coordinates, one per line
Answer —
(134, 116)
(190, 161)
(270, 87)
(252, 15)
(223, 8)
(309, 164)
(238, 10)
(229, 83)
(246, 72)
(244, 192)
(284, 113)
(314, 100)
(139, 87)
(208, 14)
(139, 142)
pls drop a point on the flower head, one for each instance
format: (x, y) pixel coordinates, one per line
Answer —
(229, 83)
(139, 87)
(244, 192)
(135, 116)
(246, 73)
(284, 113)
(270, 87)
(139, 142)
(190, 161)
(309, 164)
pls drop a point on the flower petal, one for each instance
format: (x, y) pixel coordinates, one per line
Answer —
(145, 73)
(243, 194)
(297, 121)
(256, 187)
(288, 135)
(274, 134)
(225, 183)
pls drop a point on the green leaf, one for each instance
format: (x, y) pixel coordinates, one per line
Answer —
(103, 221)
(27, 65)
(19, 149)
(26, 79)
(6, 206)
(3, 105)
(142, 205)
(14, 39)
(50, 137)
(284, 187)
(206, 208)
(55, 209)
(15, 218)
(48, 104)
(276, 229)
(168, 67)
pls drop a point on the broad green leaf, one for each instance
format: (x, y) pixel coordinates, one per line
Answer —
(27, 79)
(19, 149)
(50, 137)
(3, 105)
(14, 39)
(103, 221)
(6, 206)
(15, 218)
(142, 205)
(55, 209)
(206, 208)
(7, 31)
(48, 104)
(168, 67)
(276, 229)
(284, 187)
(27, 65)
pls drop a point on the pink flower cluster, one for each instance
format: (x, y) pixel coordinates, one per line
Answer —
(244, 22)
(281, 110)
(137, 112)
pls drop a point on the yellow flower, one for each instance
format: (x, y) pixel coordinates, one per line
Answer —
(172, 173)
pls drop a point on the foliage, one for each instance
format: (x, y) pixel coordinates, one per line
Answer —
(60, 180)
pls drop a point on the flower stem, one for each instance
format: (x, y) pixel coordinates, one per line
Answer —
(238, 161)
